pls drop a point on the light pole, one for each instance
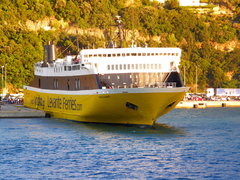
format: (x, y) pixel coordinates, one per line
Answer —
(196, 80)
(5, 76)
(2, 81)
(119, 24)
(184, 75)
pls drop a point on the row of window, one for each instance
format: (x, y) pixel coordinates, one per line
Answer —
(129, 54)
(133, 66)
(146, 76)
(72, 68)
(77, 84)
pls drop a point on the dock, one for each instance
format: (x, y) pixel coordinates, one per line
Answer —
(19, 111)
(207, 104)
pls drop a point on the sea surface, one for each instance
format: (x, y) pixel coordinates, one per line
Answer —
(185, 144)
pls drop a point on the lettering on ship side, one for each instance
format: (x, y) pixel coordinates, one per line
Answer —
(59, 103)
(39, 102)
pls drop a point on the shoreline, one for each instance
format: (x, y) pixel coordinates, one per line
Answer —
(207, 104)
(19, 111)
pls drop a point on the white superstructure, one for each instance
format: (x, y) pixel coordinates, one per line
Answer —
(111, 61)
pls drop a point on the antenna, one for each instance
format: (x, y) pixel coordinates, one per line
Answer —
(119, 24)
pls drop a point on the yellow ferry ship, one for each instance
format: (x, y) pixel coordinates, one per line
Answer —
(117, 85)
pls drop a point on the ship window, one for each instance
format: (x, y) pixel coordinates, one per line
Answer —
(139, 54)
(118, 55)
(123, 54)
(148, 54)
(128, 54)
(109, 55)
(124, 66)
(77, 67)
(147, 66)
(134, 54)
(161, 54)
(169, 54)
(104, 55)
(95, 55)
(112, 67)
(132, 66)
(113, 85)
(77, 82)
(116, 67)
(144, 66)
(108, 67)
(140, 66)
(159, 66)
(176, 54)
(100, 55)
(156, 54)
(120, 66)
(136, 66)
(152, 66)
(152, 54)
(156, 66)
(39, 82)
(90, 55)
(86, 56)
(128, 66)
(55, 83)
(114, 55)
(144, 54)
(68, 84)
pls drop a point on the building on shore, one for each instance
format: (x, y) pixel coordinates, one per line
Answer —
(186, 2)
(223, 92)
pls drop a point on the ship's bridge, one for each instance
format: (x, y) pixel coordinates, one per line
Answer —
(134, 67)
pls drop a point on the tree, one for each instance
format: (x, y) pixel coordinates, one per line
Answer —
(171, 4)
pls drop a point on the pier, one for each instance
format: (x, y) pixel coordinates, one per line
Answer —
(207, 104)
(19, 111)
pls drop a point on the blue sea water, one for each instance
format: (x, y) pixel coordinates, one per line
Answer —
(185, 144)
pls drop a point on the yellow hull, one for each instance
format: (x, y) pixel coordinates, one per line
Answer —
(106, 106)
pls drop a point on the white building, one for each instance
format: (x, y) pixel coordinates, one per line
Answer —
(189, 2)
(184, 2)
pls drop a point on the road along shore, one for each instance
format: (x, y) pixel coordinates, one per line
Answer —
(19, 111)
(207, 104)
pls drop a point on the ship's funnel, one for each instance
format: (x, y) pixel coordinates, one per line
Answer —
(49, 53)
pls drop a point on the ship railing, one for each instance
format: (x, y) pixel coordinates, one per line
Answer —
(161, 85)
(59, 68)
(135, 85)
(167, 84)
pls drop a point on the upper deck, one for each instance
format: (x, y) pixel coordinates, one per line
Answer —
(114, 61)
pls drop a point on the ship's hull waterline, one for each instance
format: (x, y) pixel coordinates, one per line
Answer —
(140, 106)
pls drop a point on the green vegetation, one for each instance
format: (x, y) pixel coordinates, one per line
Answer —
(174, 26)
